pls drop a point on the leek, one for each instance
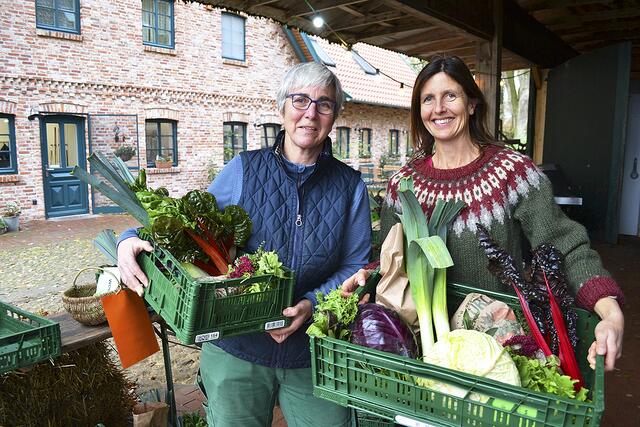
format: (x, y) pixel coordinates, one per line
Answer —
(106, 243)
(115, 185)
(426, 255)
(443, 214)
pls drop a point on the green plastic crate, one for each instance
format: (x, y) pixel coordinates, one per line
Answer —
(196, 313)
(382, 384)
(26, 339)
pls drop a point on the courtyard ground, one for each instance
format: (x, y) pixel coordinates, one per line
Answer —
(39, 263)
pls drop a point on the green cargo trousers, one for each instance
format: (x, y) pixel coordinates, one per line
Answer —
(241, 393)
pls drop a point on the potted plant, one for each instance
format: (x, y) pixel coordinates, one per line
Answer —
(125, 152)
(163, 162)
(11, 215)
(3, 226)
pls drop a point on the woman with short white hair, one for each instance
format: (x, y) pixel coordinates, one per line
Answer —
(313, 210)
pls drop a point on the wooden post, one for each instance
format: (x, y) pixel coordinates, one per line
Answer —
(488, 69)
(540, 80)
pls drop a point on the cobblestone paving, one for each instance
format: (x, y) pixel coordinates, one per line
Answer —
(40, 262)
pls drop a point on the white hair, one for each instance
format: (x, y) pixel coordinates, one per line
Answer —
(309, 74)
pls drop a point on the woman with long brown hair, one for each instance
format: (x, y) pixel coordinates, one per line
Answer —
(456, 158)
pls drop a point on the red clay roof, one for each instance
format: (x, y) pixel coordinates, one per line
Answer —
(372, 89)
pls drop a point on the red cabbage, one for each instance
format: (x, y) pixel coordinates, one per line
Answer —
(381, 328)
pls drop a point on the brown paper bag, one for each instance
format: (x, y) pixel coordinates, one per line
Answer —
(150, 414)
(393, 289)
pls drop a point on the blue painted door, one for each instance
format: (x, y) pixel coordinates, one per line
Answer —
(63, 147)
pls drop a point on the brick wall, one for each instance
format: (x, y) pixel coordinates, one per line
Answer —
(380, 120)
(107, 70)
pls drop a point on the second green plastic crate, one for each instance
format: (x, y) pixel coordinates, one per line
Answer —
(25, 338)
(383, 384)
(197, 311)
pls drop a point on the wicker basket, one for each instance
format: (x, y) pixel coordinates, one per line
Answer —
(82, 304)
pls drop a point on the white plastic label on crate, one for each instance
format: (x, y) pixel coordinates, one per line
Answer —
(404, 421)
(273, 325)
(208, 337)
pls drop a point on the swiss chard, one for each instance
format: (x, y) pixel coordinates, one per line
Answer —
(547, 264)
(546, 322)
(192, 227)
(502, 265)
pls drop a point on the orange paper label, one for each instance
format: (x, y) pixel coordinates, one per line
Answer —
(130, 326)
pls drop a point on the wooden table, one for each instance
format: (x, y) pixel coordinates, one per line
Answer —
(74, 335)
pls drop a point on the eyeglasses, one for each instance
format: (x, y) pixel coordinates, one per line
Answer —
(301, 101)
(448, 98)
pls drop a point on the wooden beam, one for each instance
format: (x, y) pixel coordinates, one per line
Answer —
(536, 74)
(529, 39)
(541, 111)
(260, 3)
(350, 22)
(474, 18)
(397, 29)
(584, 18)
(437, 45)
(536, 5)
(426, 33)
(351, 11)
(489, 67)
(463, 52)
(302, 9)
(466, 16)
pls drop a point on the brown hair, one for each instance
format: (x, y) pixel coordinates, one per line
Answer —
(455, 68)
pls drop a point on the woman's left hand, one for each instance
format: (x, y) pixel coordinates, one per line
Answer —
(608, 332)
(298, 314)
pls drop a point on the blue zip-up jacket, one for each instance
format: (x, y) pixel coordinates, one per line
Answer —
(236, 184)
(307, 215)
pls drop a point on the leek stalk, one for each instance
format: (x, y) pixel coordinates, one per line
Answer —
(426, 255)
(443, 214)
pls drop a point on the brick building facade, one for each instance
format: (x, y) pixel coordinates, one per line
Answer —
(107, 83)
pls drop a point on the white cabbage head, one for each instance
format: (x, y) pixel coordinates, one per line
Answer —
(472, 352)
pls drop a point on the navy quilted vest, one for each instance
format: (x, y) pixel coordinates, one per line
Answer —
(305, 226)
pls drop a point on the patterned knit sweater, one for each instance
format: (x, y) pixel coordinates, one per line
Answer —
(505, 192)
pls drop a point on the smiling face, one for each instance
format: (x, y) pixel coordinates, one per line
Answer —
(306, 130)
(445, 109)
